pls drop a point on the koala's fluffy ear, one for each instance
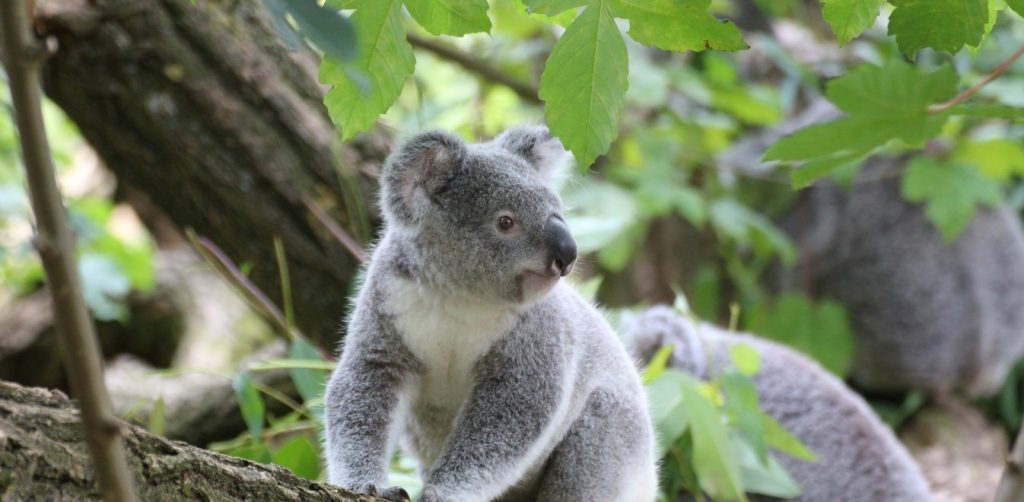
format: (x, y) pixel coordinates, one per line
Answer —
(542, 150)
(415, 171)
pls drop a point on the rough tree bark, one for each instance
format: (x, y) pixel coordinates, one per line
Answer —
(43, 457)
(201, 107)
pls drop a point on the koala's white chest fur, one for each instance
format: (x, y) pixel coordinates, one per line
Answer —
(448, 335)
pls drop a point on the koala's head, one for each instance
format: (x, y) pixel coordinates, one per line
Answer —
(481, 219)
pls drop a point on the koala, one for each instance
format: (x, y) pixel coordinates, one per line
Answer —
(467, 350)
(926, 314)
(858, 457)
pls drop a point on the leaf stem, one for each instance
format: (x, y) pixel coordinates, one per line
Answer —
(994, 74)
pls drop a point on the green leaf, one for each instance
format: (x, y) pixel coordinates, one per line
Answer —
(767, 476)
(951, 193)
(745, 358)
(716, 468)
(1017, 6)
(450, 17)
(779, 438)
(658, 364)
(251, 404)
(326, 28)
(743, 409)
(309, 382)
(678, 25)
(299, 456)
(849, 18)
(668, 411)
(367, 87)
(883, 104)
(998, 159)
(552, 7)
(584, 84)
(943, 25)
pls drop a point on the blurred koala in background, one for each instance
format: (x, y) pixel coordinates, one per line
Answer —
(926, 314)
(858, 457)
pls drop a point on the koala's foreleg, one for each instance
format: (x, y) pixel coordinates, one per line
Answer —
(504, 425)
(601, 457)
(363, 399)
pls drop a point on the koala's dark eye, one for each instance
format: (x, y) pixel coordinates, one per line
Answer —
(505, 223)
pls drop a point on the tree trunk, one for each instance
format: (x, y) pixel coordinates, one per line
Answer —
(200, 106)
(43, 457)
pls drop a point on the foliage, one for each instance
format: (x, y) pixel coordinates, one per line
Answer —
(713, 436)
(819, 330)
(114, 257)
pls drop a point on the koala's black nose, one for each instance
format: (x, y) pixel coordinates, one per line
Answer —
(561, 247)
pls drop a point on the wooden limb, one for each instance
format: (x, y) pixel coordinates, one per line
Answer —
(474, 65)
(55, 244)
(41, 454)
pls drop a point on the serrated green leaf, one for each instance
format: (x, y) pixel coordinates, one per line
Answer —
(450, 17)
(849, 18)
(943, 25)
(299, 456)
(678, 25)
(552, 7)
(584, 84)
(251, 404)
(367, 87)
(951, 193)
(883, 104)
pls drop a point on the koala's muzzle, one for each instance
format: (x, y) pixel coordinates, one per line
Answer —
(561, 248)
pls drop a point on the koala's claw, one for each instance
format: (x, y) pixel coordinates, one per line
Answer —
(395, 494)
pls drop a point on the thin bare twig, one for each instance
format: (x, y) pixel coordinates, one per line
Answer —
(336, 231)
(994, 74)
(1011, 486)
(55, 244)
(253, 295)
(524, 90)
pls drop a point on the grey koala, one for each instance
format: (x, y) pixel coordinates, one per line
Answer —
(465, 346)
(926, 314)
(858, 457)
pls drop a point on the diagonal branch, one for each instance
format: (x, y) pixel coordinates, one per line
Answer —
(994, 74)
(474, 65)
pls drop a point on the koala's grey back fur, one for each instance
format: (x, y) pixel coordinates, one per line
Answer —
(925, 314)
(859, 458)
(499, 393)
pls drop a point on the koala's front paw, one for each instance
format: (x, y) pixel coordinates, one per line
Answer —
(394, 493)
(431, 494)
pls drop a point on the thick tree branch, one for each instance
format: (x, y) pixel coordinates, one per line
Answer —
(56, 248)
(474, 65)
(41, 454)
(202, 108)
